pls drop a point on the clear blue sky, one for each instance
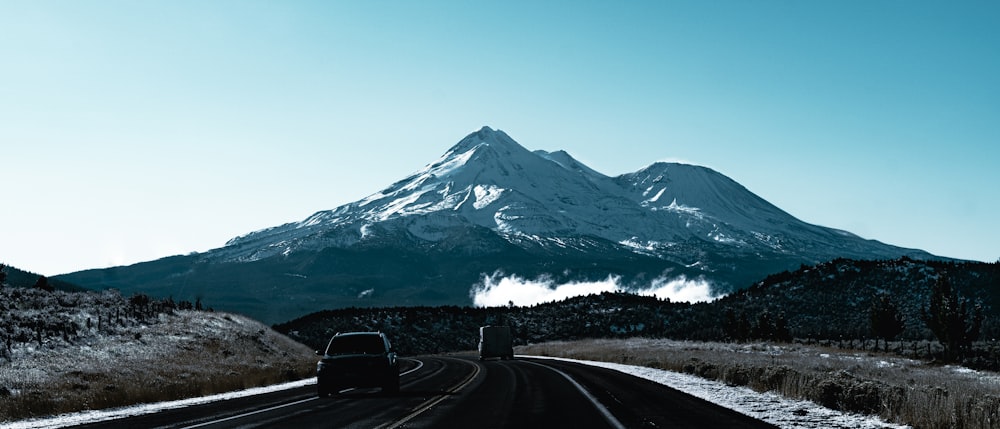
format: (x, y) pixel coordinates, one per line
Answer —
(133, 130)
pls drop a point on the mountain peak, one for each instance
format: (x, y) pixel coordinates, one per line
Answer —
(568, 162)
(485, 131)
(489, 137)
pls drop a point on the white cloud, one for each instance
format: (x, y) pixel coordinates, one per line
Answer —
(499, 290)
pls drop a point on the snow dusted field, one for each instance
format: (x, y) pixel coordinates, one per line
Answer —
(769, 407)
(63, 352)
(802, 386)
(86, 417)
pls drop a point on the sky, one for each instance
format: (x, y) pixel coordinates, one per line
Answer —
(133, 130)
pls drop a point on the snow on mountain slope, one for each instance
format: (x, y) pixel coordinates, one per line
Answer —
(550, 199)
(487, 208)
(487, 179)
(711, 205)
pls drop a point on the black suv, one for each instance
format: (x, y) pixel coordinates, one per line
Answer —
(357, 359)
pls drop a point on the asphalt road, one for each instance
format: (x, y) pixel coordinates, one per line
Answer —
(461, 392)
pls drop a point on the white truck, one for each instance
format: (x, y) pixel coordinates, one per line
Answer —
(495, 341)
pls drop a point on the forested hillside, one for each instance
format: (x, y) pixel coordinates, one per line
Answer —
(12, 276)
(831, 301)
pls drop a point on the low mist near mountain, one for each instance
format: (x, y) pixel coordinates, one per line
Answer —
(498, 291)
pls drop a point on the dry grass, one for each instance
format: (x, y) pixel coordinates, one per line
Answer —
(898, 390)
(183, 355)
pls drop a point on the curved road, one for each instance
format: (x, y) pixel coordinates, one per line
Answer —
(459, 391)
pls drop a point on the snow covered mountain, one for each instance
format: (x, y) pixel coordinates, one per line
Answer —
(551, 201)
(490, 205)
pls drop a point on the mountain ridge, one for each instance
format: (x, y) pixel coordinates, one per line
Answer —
(488, 168)
(489, 205)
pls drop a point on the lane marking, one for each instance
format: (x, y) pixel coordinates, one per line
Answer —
(430, 403)
(249, 414)
(420, 364)
(593, 400)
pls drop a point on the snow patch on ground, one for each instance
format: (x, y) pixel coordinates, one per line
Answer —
(87, 417)
(486, 195)
(680, 208)
(646, 247)
(656, 197)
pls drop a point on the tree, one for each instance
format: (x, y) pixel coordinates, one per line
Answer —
(43, 284)
(771, 328)
(3, 274)
(781, 331)
(730, 327)
(948, 316)
(766, 327)
(736, 328)
(140, 304)
(886, 320)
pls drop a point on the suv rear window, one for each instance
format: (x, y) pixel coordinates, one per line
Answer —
(356, 344)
